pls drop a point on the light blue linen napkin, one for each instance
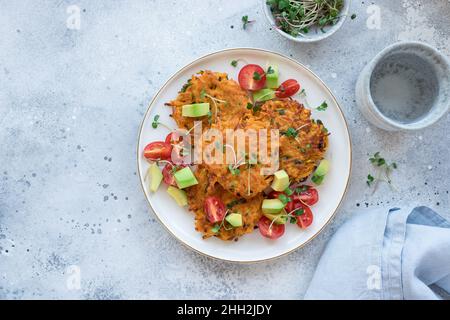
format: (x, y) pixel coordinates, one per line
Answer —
(386, 254)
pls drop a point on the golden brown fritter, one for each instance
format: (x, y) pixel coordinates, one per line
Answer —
(208, 186)
(227, 100)
(303, 141)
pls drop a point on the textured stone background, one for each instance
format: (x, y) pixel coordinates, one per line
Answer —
(71, 102)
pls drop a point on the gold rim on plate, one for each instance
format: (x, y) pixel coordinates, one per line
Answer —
(150, 106)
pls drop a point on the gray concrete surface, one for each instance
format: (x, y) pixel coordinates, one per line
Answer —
(71, 102)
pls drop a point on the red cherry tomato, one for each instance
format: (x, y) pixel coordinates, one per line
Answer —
(304, 220)
(170, 139)
(292, 205)
(252, 77)
(157, 150)
(177, 157)
(274, 232)
(168, 173)
(214, 209)
(287, 89)
(309, 197)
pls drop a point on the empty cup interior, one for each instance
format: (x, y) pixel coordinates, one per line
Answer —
(404, 87)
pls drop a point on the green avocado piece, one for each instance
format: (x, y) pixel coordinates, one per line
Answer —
(235, 219)
(272, 206)
(320, 172)
(280, 181)
(155, 176)
(263, 95)
(195, 110)
(280, 218)
(323, 168)
(185, 178)
(179, 195)
(272, 78)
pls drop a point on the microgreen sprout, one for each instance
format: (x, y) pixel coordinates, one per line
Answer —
(322, 107)
(256, 76)
(290, 132)
(245, 21)
(384, 170)
(157, 123)
(296, 17)
(234, 171)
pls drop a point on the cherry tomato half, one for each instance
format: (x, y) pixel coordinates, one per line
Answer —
(168, 172)
(214, 209)
(304, 220)
(252, 77)
(309, 197)
(287, 89)
(293, 205)
(170, 139)
(157, 150)
(274, 232)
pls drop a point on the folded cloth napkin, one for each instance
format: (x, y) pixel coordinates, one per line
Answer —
(386, 254)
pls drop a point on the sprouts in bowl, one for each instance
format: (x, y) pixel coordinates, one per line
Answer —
(306, 20)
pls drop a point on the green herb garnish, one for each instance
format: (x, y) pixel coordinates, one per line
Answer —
(234, 63)
(353, 16)
(270, 70)
(383, 168)
(186, 85)
(301, 189)
(234, 171)
(290, 132)
(370, 179)
(256, 76)
(245, 22)
(317, 179)
(296, 17)
(322, 107)
(155, 121)
(289, 191)
(284, 198)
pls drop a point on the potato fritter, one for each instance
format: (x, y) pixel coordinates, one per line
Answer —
(208, 186)
(228, 101)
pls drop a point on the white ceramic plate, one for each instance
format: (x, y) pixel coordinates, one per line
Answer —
(252, 247)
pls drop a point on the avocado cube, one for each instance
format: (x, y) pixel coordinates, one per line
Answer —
(263, 95)
(195, 110)
(280, 181)
(235, 219)
(272, 206)
(155, 177)
(280, 218)
(179, 195)
(320, 172)
(185, 178)
(272, 78)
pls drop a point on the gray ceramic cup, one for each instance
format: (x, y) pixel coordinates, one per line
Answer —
(405, 87)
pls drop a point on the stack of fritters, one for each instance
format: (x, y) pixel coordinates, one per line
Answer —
(302, 144)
